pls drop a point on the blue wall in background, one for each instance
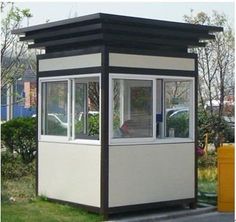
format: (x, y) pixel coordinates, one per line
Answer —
(18, 111)
(3, 112)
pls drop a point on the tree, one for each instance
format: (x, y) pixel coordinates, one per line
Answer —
(15, 58)
(216, 69)
(13, 53)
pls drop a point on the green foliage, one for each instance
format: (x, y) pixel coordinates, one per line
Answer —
(40, 210)
(79, 127)
(217, 128)
(19, 135)
(180, 123)
(93, 122)
(55, 128)
(93, 125)
(207, 174)
(18, 190)
(228, 133)
(207, 178)
(208, 161)
(19, 204)
(14, 59)
(116, 120)
(216, 77)
(16, 14)
(12, 166)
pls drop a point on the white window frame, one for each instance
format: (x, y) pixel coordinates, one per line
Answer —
(136, 140)
(191, 108)
(53, 138)
(153, 140)
(87, 141)
(70, 109)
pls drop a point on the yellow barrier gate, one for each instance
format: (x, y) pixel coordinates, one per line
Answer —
(226, 178)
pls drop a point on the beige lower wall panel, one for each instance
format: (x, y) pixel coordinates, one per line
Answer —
(70, 172)
(150, 173)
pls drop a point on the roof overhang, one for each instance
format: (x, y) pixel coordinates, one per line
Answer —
(117, 31)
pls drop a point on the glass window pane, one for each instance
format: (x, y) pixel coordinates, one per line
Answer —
(177, 104)
(132, 108)
(87, 108)
(54, 108)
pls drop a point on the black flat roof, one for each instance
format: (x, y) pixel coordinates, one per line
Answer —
(116, 30)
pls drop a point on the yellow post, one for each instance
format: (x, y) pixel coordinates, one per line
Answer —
(206, 143)
(226, 178)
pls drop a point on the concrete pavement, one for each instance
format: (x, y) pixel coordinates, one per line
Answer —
(202, 214)
(209, 217)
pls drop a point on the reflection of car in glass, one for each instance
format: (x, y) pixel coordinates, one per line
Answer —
(55, 124)
(179, 112)
(90, 113)
(57, 119)
(170, 111)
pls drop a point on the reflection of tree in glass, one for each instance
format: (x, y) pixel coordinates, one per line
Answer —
(86, 110)
(57, 97)
(141, 100)
(116, 104)
(177, 93)
(93, 94)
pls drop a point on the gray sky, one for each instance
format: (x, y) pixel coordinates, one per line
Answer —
(172, 11)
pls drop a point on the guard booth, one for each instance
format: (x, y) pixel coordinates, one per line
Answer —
(117, 105)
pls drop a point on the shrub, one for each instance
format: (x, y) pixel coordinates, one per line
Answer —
(217, 128)
(19, 135)
(208, 161)
(180, 123)
(208, 174)
(93, 125)
(13, 168)
(93, 122)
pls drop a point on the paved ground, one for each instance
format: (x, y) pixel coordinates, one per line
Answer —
(176, 214)
(208, 217)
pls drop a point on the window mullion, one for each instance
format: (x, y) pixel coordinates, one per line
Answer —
(44, 107)
(164, 109)
(191, 110)
(73, 110)
(40, 106)
(86, 108)
(154, 111)
(68, 109)
(111, 101)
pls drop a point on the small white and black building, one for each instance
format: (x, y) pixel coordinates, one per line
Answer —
(117, 104)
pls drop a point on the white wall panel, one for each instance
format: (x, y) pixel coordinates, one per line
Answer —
(70, 172)
(151, 62)
(70, 62)
(150, 173)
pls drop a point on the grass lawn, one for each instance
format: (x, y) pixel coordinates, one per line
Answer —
(207, 179)
(207, 185)
(40, 210)
(19, 204)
